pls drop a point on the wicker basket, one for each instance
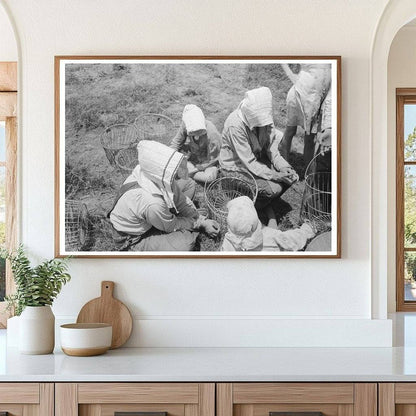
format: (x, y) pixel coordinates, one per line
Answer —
(228, 186)
(317, 198)
(76, 225)
(117, 137)
(152, 126)
(127, 159)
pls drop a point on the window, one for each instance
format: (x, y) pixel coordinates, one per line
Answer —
(406, 199)
(8, 170)
(2, 206)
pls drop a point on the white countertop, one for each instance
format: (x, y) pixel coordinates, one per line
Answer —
(213, 364)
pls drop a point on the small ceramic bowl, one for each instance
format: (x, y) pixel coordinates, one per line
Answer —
(84, 340)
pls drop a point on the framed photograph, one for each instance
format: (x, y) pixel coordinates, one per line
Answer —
(197, 156)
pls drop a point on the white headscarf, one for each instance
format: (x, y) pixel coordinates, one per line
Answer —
(256, 108)
(157, 168)
(194, 120)
(244, 228)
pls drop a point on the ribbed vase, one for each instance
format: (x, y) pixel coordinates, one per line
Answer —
(37, 330)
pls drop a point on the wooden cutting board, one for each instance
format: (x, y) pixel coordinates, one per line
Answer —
(107, 309)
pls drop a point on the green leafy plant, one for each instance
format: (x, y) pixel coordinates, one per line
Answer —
(35, 286)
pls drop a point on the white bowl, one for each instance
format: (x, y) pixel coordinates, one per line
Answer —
(83, 340)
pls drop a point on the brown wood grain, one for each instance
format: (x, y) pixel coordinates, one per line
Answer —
(66, 399)
(8, 105)
(399, 203)
(403, 96)
(207, 399)
(47, 399)
(11, 204)
(386, 399)
(365, 399)
(201, 255)
(107, 309)
(345, 410)
(138, 393)
(405, 393)
(90, 410)
(27, 393)
(264, 409)
(13, 409)
(191, 410)
(252, 393)
(224, 399)
(171, 409)
(8, 76)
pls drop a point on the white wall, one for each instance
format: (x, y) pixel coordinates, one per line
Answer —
(401, 74)
(8, 47)
(181, 301)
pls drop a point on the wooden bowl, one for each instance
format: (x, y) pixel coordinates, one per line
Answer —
(84, 340)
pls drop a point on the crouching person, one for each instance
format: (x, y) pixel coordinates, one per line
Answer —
(150, 212)
(200, 141)
(250, 143)
(246, 233)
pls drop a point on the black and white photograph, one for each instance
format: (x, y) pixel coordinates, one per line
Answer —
(197, 156)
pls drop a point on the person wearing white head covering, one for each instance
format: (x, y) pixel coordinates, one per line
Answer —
(246, 233)
(151, 213)
(308, 105)
(250, 143)
(200, 141)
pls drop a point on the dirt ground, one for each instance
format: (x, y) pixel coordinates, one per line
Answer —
(98, 96)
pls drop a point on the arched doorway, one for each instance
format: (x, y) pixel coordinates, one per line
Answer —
(396, 14)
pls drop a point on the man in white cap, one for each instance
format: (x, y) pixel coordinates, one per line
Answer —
(150, 212)
(200, 141)
(250, 143)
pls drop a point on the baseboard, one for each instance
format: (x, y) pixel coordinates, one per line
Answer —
(258, 332)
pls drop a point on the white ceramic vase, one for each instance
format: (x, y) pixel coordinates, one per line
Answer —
(13, 331)
(37, 330)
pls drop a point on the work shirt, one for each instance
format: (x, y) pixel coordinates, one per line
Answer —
(138, 210)
(203, 150)
(241, 149)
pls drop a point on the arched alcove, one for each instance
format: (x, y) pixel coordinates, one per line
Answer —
(396, 14)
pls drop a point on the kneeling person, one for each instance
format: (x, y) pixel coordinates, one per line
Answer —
(150, 212)
(200, 141)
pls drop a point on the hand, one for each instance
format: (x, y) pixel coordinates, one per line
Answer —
(288, 170)
(211, 228)
(324, 140)
(287, 178)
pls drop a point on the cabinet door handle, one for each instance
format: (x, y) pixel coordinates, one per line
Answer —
(296, 414)
(138, 414)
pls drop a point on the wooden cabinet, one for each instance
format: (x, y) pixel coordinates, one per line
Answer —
(208, 399)
(27, 399)
(264, 399)
(106, 399)
(397, 399)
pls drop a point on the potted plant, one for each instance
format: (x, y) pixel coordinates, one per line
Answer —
(36, 289)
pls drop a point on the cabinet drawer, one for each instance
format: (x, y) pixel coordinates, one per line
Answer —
(296, 399)
(397, 399)
(108, 399)
(21, 399)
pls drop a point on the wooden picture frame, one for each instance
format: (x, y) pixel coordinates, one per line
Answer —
(106, 105)
(404, 96)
